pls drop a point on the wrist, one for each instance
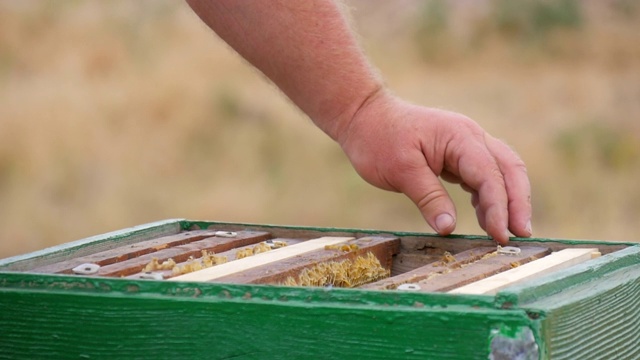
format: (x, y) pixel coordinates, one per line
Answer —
(340, 126)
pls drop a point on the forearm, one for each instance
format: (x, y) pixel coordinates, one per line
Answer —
(305, 47)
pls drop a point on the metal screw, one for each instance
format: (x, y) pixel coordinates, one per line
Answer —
(410, 287)
(508, 250)
(152, 276)
(226, 234)
(86, 269)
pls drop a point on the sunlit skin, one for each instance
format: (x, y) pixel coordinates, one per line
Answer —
(308, 50)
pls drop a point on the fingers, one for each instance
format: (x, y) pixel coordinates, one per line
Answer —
(500, 191)
(475, 202)
(517, 186)
(481, 173)
(426, 191)
(458, 150)
(475, 197)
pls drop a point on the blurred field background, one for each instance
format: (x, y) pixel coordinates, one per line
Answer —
(117, 113)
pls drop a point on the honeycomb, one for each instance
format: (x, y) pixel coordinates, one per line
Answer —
(346, 273)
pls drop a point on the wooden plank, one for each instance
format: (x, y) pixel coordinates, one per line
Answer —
(417, 243)
(183, 252)
(403, 263)
(481, 269)
(127, 252)
(115, 319)
(554, 262)
(591, 309)
(382, 248)
(443, 265)
(229, 254)
(260, 259)
(90, 245)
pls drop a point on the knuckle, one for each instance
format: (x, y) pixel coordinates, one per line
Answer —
(519, 165)
(426, 201)
(496, 175)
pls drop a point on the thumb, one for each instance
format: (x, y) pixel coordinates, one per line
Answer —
(427, 192)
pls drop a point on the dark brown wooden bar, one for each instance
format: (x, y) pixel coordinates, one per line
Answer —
(127, 252)
(183, 252)
(543, 298)
(229, 254)
(429, 268)
(445, 264)
(481, 269)
(382, 248)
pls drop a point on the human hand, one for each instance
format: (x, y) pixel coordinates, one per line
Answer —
(402, 147)
(308, 50)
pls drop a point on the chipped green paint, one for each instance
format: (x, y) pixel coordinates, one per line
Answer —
(93, 244)
(508, 343)
(336, 296)
(70, 317)
(591, 311)
(559, 281)
(595, 320)
(61, 316)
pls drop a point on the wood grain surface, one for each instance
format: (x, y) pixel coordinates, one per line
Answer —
(445, 264)
(481, 269)
(554, 262)
(260, 259)
(382, 248)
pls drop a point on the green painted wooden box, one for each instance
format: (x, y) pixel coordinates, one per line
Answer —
(586, 311)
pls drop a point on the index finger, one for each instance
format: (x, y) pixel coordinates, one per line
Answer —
(517, 185)
(480, 171)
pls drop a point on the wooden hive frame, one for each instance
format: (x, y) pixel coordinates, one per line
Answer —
(584, 311)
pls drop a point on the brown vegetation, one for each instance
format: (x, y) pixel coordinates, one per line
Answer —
(118, 113)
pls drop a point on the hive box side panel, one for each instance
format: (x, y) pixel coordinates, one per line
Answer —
(99, 318)
(598, 319)
(557, 282)
(589, 311)
(91, 245)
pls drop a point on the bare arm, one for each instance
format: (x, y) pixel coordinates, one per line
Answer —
(304, 47)
(307, 49)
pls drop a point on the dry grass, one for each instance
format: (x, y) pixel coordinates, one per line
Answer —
(118, 113)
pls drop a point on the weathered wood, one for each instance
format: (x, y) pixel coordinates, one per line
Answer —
(127, 252)
(183, 252)
(382, 248)
(260, 259)
(407, 262)
(229, 254)
(418, 242)
(554, 262)
(129, 319)
(441, 266)
(586, 311)
(481, 269)
(90, 245)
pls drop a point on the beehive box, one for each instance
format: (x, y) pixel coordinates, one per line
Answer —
(194, 289)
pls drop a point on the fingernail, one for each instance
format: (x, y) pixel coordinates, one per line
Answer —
(444, 222)
(527, 228)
